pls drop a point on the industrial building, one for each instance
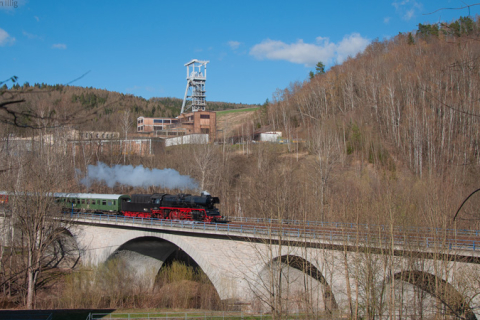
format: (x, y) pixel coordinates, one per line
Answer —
(197, 120)
(187, 123)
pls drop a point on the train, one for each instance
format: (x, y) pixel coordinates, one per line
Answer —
(189, 207)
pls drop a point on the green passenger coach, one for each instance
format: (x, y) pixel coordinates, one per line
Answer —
(91, 202)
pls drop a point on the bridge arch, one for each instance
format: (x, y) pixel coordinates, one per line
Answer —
(438, 288)
(63, 251)
(146, 254)
(304, 277)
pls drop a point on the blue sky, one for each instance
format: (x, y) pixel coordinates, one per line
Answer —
(140, 47)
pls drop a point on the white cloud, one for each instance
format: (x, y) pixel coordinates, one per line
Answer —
(31, 36)
(37, 18)
(134, 88)
(310, 53)
(407, 9)
(409, 14)
(59, 46)
(386, 20)
(233, 44)
(5, 38)
(350, 46)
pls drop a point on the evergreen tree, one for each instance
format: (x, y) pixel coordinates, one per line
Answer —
(319, 69)
(410, 40)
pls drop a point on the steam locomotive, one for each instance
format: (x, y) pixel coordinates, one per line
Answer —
(158, 205)
(177, 207)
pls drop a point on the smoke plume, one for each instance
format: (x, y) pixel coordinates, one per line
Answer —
(137, 177)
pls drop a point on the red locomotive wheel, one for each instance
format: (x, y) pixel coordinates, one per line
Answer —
(175, 215)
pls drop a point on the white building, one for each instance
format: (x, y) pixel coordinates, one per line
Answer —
(271, 136)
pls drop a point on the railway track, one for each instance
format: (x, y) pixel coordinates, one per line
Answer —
(326, 235)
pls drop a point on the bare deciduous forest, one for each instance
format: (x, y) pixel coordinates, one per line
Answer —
(390, 137)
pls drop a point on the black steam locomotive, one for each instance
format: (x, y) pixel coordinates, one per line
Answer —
(177, 207)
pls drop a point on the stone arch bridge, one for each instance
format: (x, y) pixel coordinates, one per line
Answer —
(327, 269)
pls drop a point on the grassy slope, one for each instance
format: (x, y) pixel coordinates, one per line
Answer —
(229, 122)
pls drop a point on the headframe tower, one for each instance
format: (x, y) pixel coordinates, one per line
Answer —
(196, 77)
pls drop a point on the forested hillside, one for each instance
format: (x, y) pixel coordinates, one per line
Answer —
(99, 108)
(411, 101)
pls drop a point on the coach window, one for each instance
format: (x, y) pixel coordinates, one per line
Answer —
(83, 201)
(88, 201)
(114, 202)
(109, 203)
(104, 202)
(93, 201)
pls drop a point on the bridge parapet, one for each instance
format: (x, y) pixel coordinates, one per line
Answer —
(337, 237)
(358, 226)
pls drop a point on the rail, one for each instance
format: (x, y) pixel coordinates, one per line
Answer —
(348, 225)
(332, 236)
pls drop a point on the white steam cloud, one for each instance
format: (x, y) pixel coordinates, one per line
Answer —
(137, 177)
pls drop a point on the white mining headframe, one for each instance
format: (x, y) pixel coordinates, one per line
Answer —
(196, 77)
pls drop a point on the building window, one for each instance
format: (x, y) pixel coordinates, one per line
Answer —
(157, 127)
(157, 120)
(204, 116)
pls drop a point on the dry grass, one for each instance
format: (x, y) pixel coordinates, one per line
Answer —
(113, 285)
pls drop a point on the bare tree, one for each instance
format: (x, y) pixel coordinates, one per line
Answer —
(125, 126)
(205, 157)
(38, 226)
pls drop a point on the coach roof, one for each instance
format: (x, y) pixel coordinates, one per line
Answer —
(90, 196)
